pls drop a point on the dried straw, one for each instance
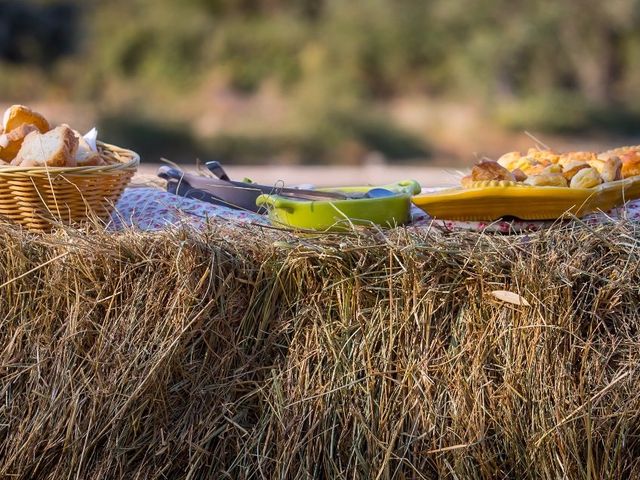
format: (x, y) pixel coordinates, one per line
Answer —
(250, 353)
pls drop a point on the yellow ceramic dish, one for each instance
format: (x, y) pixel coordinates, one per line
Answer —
(490, 201)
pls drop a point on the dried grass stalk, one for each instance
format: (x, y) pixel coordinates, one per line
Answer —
(253, 354)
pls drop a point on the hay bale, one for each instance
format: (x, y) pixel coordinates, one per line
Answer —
(253, 354)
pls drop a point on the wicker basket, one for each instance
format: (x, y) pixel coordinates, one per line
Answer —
(39, 197)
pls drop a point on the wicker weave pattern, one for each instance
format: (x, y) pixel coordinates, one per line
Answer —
(36, 198)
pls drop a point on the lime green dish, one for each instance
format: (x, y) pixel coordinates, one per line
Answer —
(342, 215)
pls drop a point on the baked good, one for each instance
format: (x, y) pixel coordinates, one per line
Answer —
(571, 167)
(546, 180)
(619, 151)
(85, 156)
(530, 166)
(534, 162)
(586, 178)
(630, 164)
(56, 148)
(17, 115)
(490, 170)
(579, 169)
(584, 157)
(612, 169)
(543, 156)
(510, 160)
(519, 175)
(11, 142)
(466, 182)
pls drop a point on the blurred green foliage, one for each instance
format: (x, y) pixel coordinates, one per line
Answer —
(552, 65)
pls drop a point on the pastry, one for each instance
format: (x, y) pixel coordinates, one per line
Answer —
(547, 180)
(490, 170)
(630, 164)
(571, 167)
(510, 160)
(466, 182)
(612, 169)
(586, 178)
(533, 162)
(543, 156)
(584, 157)
(519, 175)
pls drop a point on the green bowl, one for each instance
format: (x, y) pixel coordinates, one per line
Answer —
(341, 215)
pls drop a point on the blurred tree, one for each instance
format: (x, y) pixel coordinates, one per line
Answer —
(567, 63)
(37, 34)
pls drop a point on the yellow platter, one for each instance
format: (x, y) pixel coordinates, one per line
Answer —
(489, 201)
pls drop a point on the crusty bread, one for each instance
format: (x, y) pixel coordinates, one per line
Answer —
(11, 142)
(571, 167)
(612, 169)
(17, 115)
(510, 160)
(56, 148)
(85, 156)
(630, 164)
(547, 180)
(519, 175)
(586, 178)
(490, 170)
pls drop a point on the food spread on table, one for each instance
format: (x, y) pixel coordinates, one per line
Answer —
(545, 168)
(539, 184)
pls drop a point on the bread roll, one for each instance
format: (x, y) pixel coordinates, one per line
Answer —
(85, 155)
(586, 178)
(570, 168)
(630, 164)
(584, 157)
(11, 142)
(466, 182)
(510, 160)
(490, 170)
(543, 156)
(56, 148)
(519, 175)
(547, 180)
(17, 115)
(612, 170)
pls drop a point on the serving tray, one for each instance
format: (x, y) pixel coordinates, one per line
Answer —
(488, 201)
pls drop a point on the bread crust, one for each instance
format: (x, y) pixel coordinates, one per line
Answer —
(547, 180)
(612, 170)
(11, 142)
(570, 168)
(56, 148)
(490, 170)
(17, 115)
(630, 164)
(85, 156)
(586, 178)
